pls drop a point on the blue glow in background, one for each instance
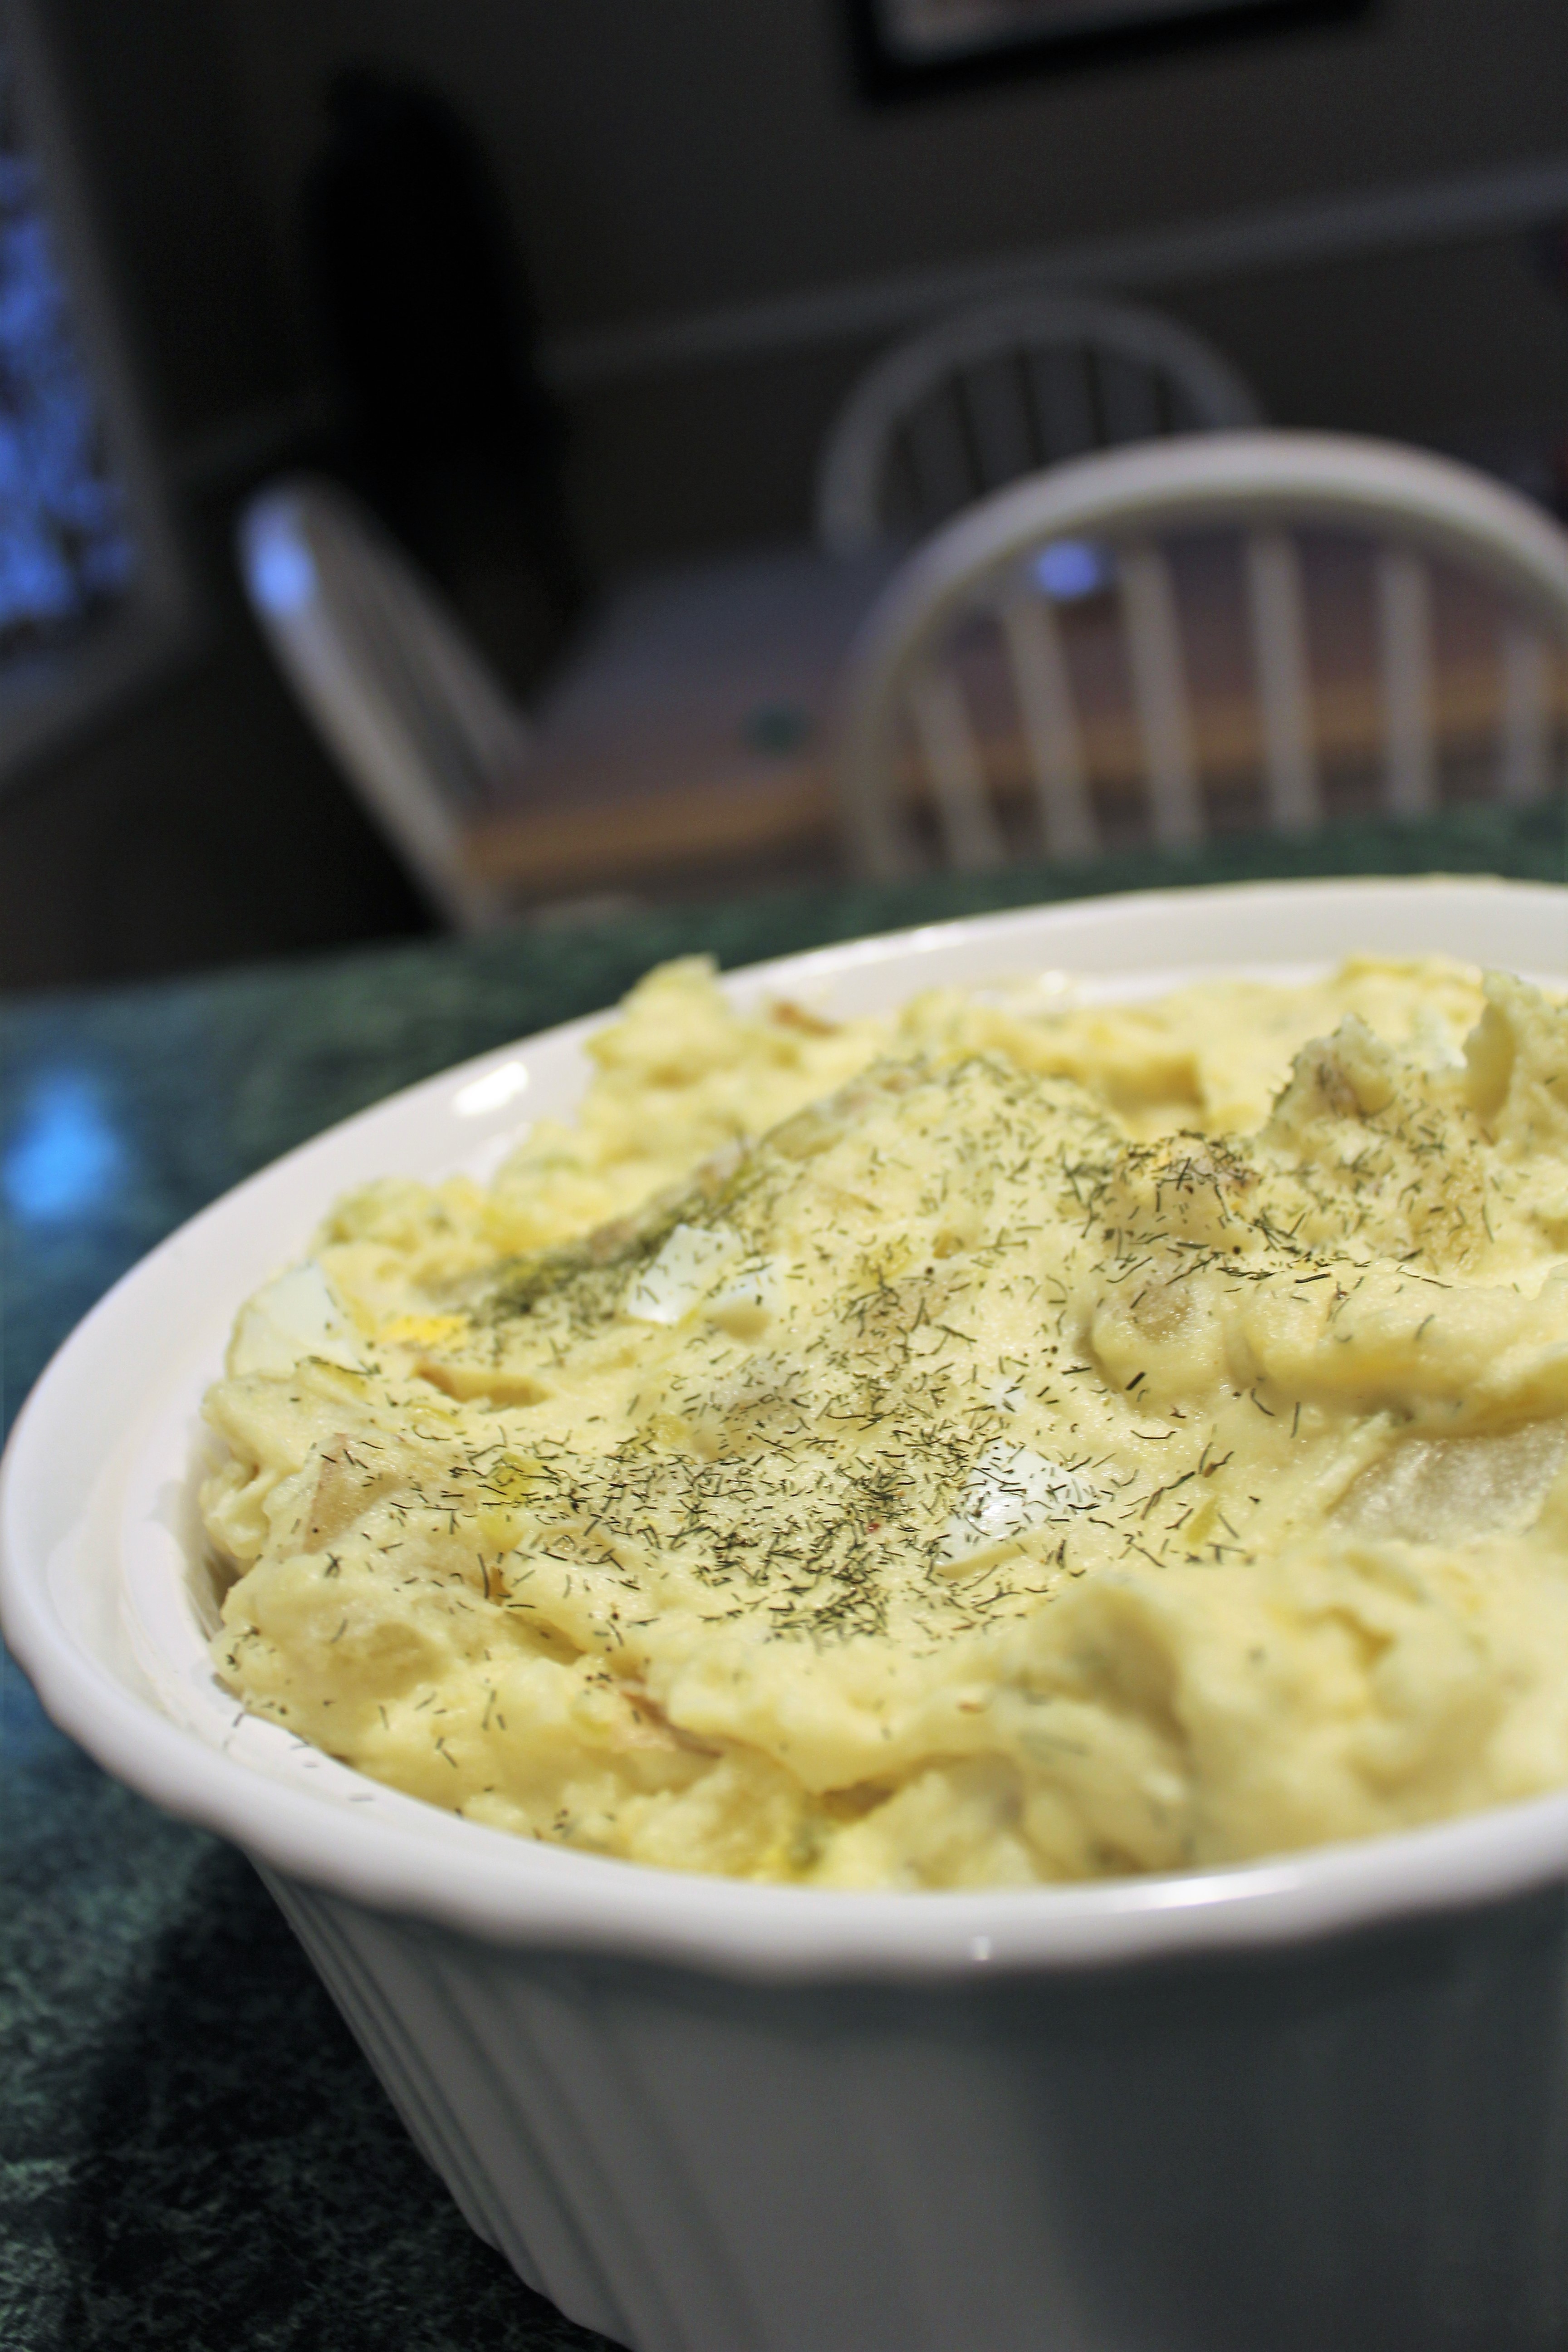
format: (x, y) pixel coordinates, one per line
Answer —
(1069, 568)
(65, 548)
(64, 1155)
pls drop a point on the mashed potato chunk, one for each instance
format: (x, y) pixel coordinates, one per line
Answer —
(1014, 1441)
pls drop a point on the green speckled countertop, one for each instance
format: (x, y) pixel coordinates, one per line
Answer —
(194, 2157)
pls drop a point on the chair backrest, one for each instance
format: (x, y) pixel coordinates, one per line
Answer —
(1234, 627)
(980, 399)
(421, 729)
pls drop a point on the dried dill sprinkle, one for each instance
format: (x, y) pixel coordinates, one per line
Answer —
(925, 1460)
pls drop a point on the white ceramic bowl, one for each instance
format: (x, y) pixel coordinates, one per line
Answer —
(1312, 2102)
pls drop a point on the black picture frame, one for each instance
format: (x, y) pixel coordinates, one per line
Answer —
(1087, 33)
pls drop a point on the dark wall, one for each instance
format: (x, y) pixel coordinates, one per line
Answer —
(686, 158)
(680, 156)
(690, 158)
(155, 108)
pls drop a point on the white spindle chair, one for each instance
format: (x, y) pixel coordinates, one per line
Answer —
(425, 734)
(911, 736)
(978, 400)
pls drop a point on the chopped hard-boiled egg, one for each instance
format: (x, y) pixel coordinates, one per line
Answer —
(1012, 1490)
(686, 1269)
(296, 1314)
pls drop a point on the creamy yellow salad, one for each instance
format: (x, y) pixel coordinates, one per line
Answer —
(1011, 1441)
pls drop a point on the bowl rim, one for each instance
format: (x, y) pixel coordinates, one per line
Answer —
(434, 1867)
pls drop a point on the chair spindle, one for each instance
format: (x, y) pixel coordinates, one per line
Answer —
(1526, 687)
(957, 775)
(1277, 610)
(1160, 694)
(1404, 622)
(1046, 705)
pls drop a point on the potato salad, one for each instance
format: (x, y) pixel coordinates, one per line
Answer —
(1014, 1441)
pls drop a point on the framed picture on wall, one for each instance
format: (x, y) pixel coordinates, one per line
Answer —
(908, 44)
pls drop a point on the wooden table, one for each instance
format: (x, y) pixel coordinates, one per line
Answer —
(688, 740)
(688, 732)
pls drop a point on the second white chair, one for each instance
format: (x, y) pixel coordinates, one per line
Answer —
(979, 399)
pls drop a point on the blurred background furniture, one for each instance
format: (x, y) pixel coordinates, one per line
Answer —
(684, 742)
(1209, 633)
(1235, 630)
(977, 400)
(423, 731)
(689, 738)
